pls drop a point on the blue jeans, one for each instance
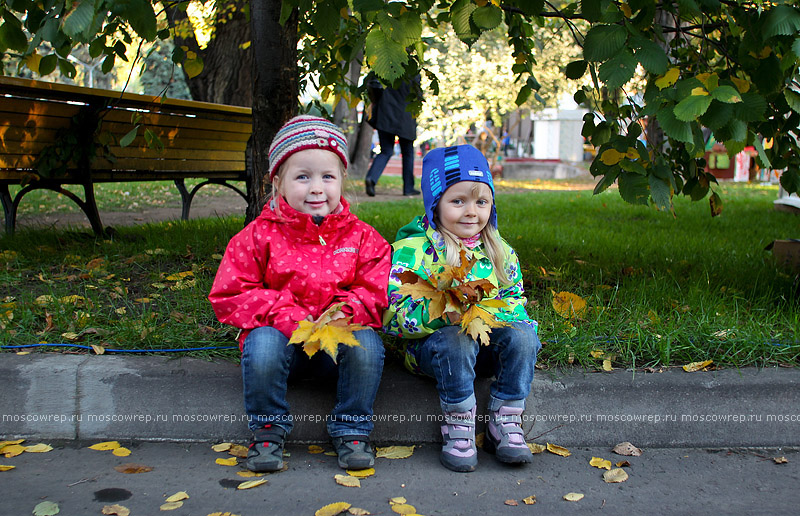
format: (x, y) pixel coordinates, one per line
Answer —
(454, 358)
(269, 363)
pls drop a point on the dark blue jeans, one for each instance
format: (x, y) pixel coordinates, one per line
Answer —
(269, 362)
(452, 358)
(387, 151)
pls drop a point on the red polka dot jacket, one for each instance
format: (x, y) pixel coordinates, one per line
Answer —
(283, 267)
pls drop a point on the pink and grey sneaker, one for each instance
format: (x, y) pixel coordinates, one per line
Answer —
(458, 450)
(505, 438)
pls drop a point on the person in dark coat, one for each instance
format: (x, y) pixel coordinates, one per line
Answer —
(390, 118)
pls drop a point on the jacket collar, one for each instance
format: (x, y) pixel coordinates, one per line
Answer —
(278, 210)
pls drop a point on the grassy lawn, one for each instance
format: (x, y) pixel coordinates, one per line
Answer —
(659, 290)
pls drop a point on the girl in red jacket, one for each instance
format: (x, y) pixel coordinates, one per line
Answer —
(304, 254)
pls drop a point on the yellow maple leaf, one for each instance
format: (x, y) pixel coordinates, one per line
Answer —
(478, 323)
(326, 333)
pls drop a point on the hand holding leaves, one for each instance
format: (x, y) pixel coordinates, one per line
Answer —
(451, 295)
(327, 332)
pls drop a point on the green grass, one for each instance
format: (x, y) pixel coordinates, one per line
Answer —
(660, 290)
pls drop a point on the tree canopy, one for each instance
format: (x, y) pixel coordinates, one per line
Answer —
(728, 66)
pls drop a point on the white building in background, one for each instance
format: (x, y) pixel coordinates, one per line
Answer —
(552, 134)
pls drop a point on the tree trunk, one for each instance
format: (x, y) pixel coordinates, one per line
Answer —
(275, 90)
(227, 67)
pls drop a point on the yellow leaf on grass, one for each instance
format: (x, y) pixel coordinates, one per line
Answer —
(627, 449)
(177, 497)
(96, 263)
(119, 510)
(3, 467)
(598, 462)
(121, 452)
(314, 449)
(227, 462)
(394, 452)
(597, 353)
(615, 475)
(573, 497)
(536, 448)
(404, 508)
(38, 448)
(361, 473)
(251, 484)
(105, 446)
(179, 275)
(347, 481)
(221, 447)
(569, 305)
(332, 509)
(73, 300)
(558, 450)
(98, 350)
(697, 366)
(171, 506)
(607, 365)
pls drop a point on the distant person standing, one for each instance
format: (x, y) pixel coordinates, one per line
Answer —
(390, 118)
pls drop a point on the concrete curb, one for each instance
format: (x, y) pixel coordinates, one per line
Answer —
(55, 396)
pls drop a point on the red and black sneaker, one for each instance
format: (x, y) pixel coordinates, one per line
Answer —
(265, 453)
(354, 452)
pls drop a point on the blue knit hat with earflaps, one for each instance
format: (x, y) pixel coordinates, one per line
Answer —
(445, 166)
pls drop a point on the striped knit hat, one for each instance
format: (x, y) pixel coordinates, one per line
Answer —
(305, 132)
(443, 167)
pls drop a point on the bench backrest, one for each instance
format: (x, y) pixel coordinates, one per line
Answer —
(197, 136)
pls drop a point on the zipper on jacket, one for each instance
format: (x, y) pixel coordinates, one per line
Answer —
(322, 240)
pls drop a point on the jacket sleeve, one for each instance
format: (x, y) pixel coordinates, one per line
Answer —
(366, 297)
(408, 317)
(513, 294)
(239, 296)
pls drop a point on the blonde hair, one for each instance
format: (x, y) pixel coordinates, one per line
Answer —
(492, 244)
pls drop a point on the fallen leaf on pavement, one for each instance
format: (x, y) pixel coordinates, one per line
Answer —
(250, 474)
(403, 508)
(601, 463)
(237, 450)
(623, 464)
(12, 450)
(222, 514)
(314, 449)
(357, 511)
(105, 446)
(227, 462)
(251, 484)
(627, 449)
(697, 366)
(171, 506)
(558, 450)
(573, 497)
(38, 448)
(133, 468)
(536, 448)
(177, 497)
(615, 475)
(397, 499)
(530, 500)
(347, 481)
(221, 447)
(361, 473)
(3, 467)
(46, 509)
(513, 503)
(394, 452)
(780, 460)
(121, 452)
(332, 509)
(119, 510)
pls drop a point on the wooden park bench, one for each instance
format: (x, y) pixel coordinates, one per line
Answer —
(41, 122)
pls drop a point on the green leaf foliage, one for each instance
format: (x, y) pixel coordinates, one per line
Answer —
(651, 56)
(603, 42)
(692, 107)
(634, 188)
(790, 180)
(461, 19)
(781, 20)
(11, 36)
(487, 17)
(618, 70)
(673, 127)
(576, 69)
(386, 57)
(660, 192)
